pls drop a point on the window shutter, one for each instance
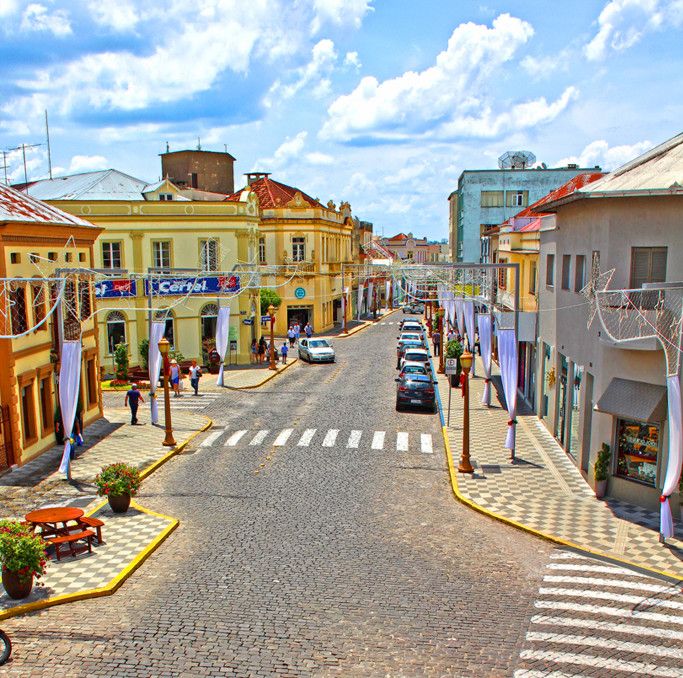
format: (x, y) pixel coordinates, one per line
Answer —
(658, 269)
(640, 266)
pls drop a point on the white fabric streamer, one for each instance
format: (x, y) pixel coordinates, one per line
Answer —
(484, 323)
(69, 383)
(371, 289)
(507, 354)
(222, 336)
(673, 466)
(156, 332)
(359, 305)
(388, 293)
(469, 326)
(460, 313)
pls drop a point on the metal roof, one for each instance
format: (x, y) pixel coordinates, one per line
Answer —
(17, 207)
(107, 184)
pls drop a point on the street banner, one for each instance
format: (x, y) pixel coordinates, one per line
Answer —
(219, 284)
(115, 288)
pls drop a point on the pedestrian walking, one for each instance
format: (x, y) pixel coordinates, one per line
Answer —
(261, 350)
(283, 351)
(254, 351)
(175, 378)
(436, 339)
(291, 336)
(297, 331)
(132, 400)
(308, 330)
(195, 373)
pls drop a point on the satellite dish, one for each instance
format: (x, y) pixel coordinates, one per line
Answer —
(516, 160)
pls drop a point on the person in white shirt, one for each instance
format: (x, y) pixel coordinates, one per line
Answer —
(195, 373)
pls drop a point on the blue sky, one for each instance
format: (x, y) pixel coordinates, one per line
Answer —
(379, 102)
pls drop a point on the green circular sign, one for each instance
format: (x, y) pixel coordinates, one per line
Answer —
(299, 292)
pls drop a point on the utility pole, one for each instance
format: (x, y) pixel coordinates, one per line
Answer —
(4, 166)
(49, 154)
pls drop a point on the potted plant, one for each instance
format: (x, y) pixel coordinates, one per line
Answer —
(23, 557)
(601, 470)
(118, 482)
(454, 350)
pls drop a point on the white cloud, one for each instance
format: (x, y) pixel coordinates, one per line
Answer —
(600, 153)
(37, 18)
(540, 67)
(352, 59)
(84, 163)
(8, 7)
(290, 148)
(339, 13)
(318, 158)
(121, 15)
(447, 99)
(622, 23)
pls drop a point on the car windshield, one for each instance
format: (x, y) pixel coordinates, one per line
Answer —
(414, 369)
(410, 337)
(417, 357)
(318, 343)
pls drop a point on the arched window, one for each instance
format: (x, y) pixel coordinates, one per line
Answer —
(116, 330)
(209, 315)
(169, 331)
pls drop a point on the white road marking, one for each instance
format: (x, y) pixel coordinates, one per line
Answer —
(378, 440)
(331, 437)
(606, 569)
(234, 438)
(211, 439)
(354, 439)
(609, 611)
(259, 437)
(306, 438)
(642, 601)
(601, 662)
(426, 443)
(615, 583)
(535, 673)
(610, 627)
(283, 437)
(401, 441)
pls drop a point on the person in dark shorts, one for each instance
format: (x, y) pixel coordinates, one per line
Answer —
(133, 399)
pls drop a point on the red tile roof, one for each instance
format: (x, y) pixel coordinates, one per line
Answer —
(398, 237)
(574, 184)
(273, 194)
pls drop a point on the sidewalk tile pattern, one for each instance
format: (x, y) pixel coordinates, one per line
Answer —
(543, 490)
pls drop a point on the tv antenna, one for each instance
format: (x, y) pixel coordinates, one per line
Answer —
(22, 148)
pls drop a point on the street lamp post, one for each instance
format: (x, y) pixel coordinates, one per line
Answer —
(466, 363)
(439, 314)
(271, 313)
(430, 314)
(169, 441)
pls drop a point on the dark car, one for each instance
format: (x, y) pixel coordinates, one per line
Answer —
(415, 390)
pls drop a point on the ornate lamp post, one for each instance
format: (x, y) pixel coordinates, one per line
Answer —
(430, 314)
(466, 363)
(271, 313)
(440, 314)
(164, 348)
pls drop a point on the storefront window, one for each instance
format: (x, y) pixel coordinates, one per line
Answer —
(637, 450)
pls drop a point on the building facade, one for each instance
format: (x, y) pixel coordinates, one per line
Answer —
(590, 389)
(208, 171)
(36, 240)
(408, 249)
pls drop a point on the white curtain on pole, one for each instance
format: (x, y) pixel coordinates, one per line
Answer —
(507, 354)
(156, 332)
(69, 382)
(451, 312)
(360, 298)
(222, 336)
(388, 290)
(460, 313)
(469, 326)
(371, 289)
(485, 331)
(673, 466)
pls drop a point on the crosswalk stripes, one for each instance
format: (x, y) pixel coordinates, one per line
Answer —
(590, 619)
(189, 401)
(332, 438)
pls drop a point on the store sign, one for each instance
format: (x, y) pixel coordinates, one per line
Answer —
(299, 292)
(115, 288)
(192, 285)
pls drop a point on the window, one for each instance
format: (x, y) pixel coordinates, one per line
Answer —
(72, 324)
(502, 275)
(33, 257)
(17, 300)
(550, 270)
(580, 273)
(532, 278)
(169, 330)
(15, 258)
(52, 256)
(111, 254)
(116, 330)
(209, 255)
(91, 378)
(298, 249)
(648, 265)
(517, 198)
(68, 257)
(166, 197)
(84, 298)
(46, 409)
(262, 250)
(566, 270)
(161, 250)
(81, 256)
(209, 316)
(194, 180)
(39, 293)
(637, 450)
(28, 414)
(492, 198)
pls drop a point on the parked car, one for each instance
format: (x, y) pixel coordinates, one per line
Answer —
(415, 368)
(414, 307)
(409, 336)
(414, 354)
(316, 350)
(411, 325)
(406, 346)
(415, 390)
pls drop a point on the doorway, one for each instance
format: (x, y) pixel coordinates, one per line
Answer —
(299, 314)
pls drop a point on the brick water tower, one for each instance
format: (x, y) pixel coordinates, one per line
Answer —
(204, 170)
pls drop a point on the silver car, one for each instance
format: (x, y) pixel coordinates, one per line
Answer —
(316, 350)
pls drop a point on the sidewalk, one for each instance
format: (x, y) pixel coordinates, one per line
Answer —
(129, 538)
(543, 491)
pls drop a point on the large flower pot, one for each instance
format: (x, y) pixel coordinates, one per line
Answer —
(600, 488)
(17, 586)
(119, 502)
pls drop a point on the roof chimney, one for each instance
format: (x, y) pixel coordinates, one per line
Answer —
(255, 176)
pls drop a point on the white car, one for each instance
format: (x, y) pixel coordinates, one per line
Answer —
(412, 367)
(316, 350)
(419, 355)
(409, 336)
(412, 327)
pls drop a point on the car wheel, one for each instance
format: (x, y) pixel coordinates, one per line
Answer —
(398, 407)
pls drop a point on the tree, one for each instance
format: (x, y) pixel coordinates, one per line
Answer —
(269, 297)
(121, 361)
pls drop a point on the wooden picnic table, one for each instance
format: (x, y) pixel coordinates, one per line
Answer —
(53, 524)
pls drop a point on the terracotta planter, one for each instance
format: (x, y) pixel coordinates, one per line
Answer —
(600, 488)
(16, 585)
(119, 502)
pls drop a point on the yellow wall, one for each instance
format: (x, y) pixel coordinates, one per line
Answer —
(523, 249)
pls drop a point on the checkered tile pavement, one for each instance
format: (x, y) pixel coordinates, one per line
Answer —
(546, 492)
(125, 535)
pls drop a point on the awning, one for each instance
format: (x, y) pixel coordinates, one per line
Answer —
(628, 399)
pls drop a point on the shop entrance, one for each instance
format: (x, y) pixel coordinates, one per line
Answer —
(299, 314)
(337, 311)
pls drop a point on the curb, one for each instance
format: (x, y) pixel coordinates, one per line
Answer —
(272, 375)
(521, 526)
(114, 584)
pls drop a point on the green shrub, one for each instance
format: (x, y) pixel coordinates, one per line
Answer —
(601, 466)
(21, 551)
(453, 349)
(269, 297)
(118, 479)
(143, 347)
(121, 361)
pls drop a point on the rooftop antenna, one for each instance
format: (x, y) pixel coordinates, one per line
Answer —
(23, 148)
(4, 166)
(225, 146)
(49, 154)
(199, 144)
(167, 147)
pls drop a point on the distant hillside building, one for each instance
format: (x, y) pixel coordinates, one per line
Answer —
(409, 249)
(210, 171)
(486, 198)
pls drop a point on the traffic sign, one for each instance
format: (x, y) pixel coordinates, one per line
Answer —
(451, 365)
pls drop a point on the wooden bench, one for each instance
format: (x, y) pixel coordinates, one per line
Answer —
(70, 539)
(95, 523)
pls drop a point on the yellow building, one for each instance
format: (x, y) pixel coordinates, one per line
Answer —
(157, 227)
(312, 241)
(33, 245)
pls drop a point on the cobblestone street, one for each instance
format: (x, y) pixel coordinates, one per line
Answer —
(310, 549)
